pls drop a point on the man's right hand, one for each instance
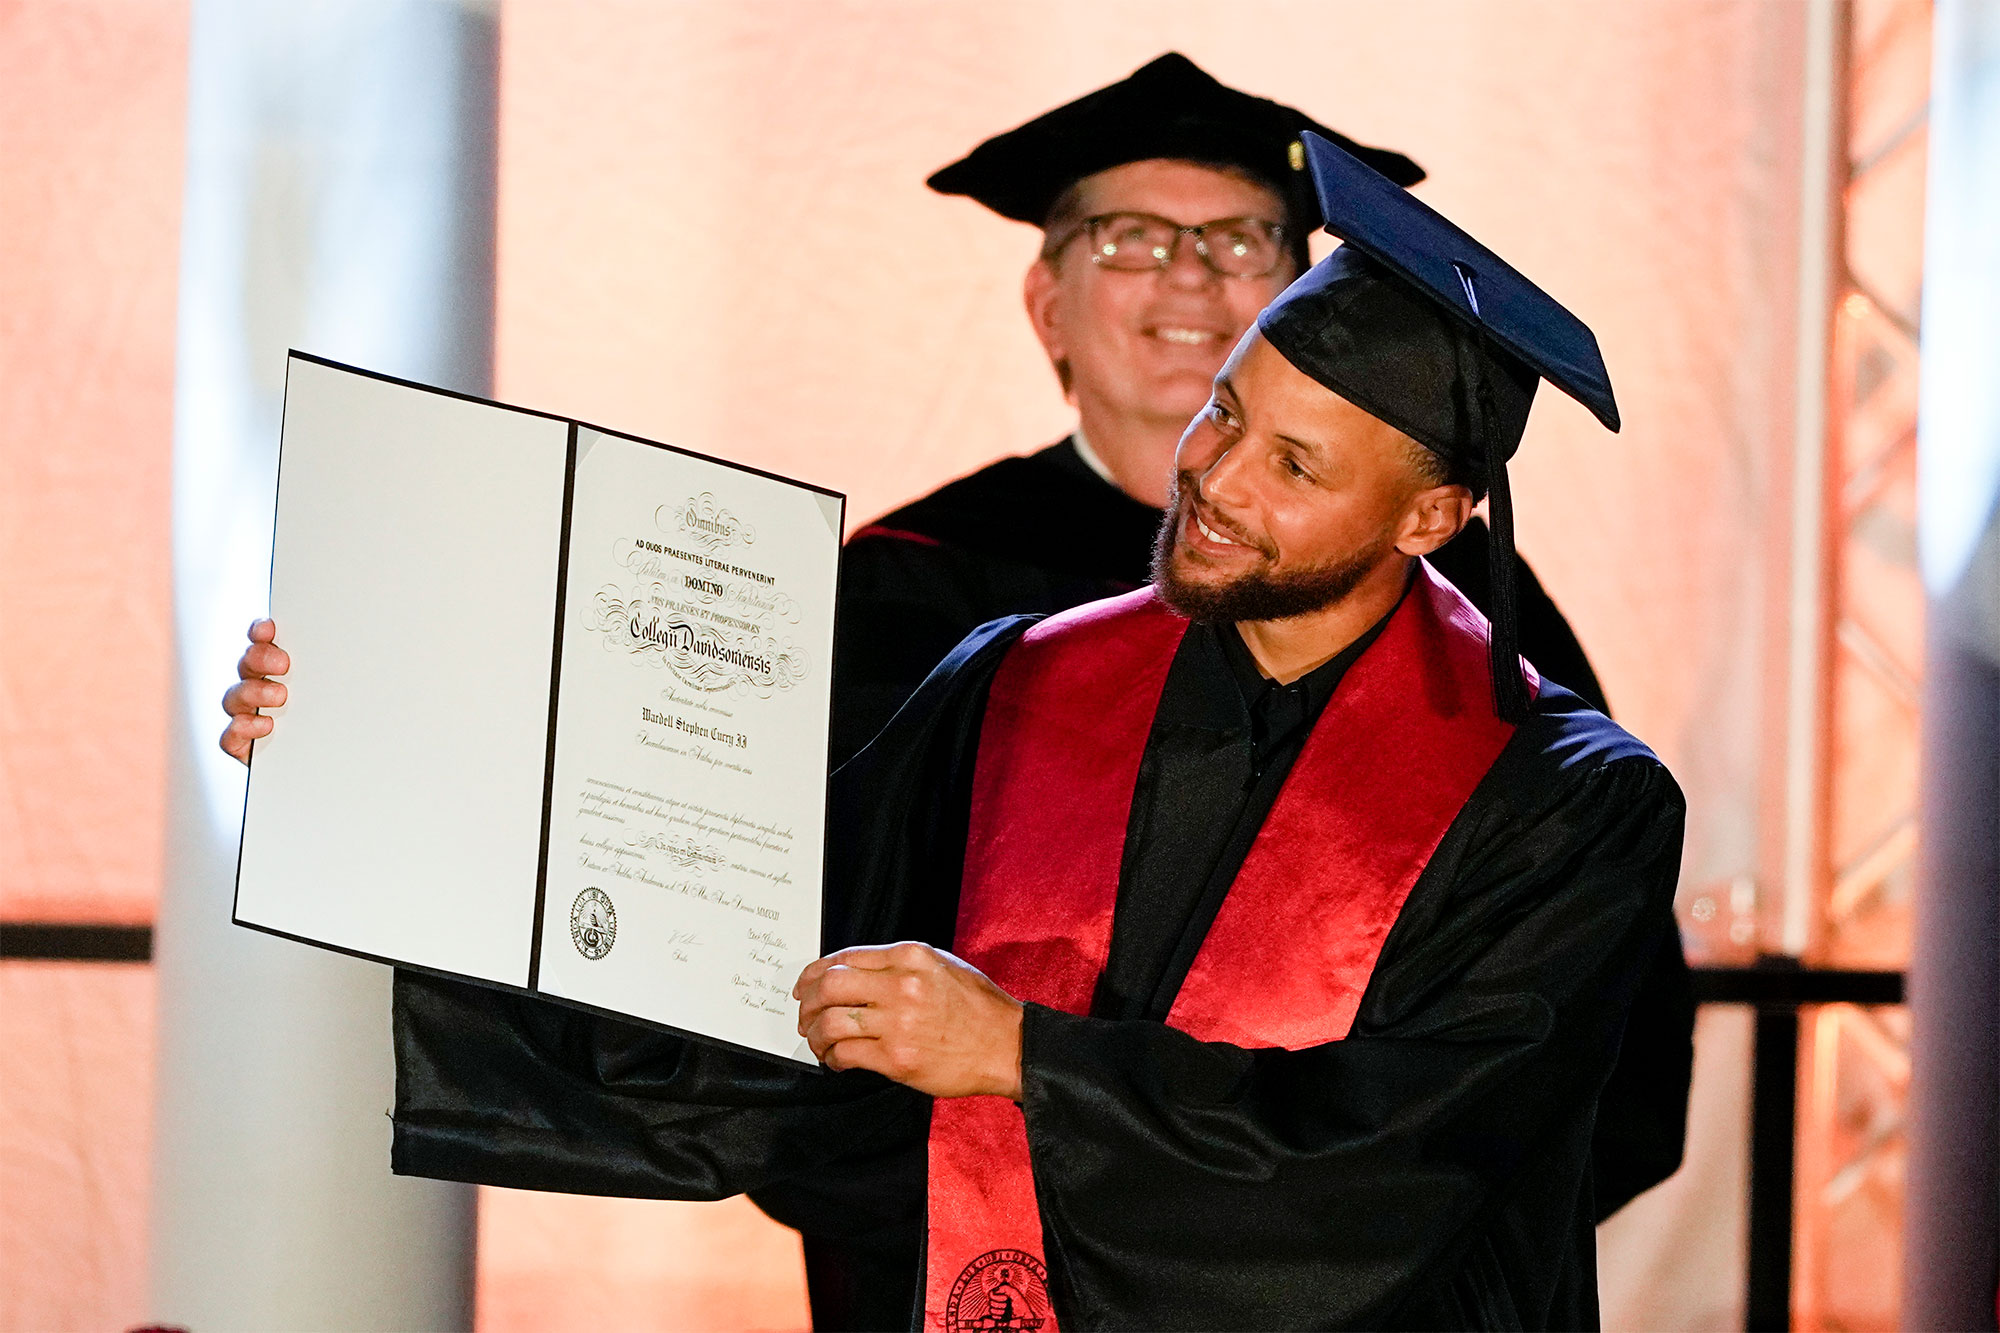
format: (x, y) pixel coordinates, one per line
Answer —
(261, 660)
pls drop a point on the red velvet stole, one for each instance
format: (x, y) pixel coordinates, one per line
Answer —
(1407, 735)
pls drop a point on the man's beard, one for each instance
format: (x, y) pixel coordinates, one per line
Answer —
(1259, 594)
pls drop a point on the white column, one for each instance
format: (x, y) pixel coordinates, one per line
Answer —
(339, 199)
(1822, 175)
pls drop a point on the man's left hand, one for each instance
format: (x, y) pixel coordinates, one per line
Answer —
(914, 1014)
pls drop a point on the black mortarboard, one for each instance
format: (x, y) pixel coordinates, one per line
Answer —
(1168, 108)
(1423, 327)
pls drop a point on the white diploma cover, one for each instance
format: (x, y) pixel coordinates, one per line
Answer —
(558, 708)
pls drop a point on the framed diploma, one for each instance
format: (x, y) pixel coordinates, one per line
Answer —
(558, 708)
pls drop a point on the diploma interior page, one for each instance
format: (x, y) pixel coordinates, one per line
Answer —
(396, 809)
(688, 805)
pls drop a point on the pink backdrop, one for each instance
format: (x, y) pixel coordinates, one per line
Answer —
(91, 104)
(713, 230)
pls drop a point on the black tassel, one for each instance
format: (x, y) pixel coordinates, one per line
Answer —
(1510, 689)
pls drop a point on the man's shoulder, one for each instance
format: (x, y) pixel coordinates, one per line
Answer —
(967, 506)
(1044, 512)
(1576, 816)
(1110, 620)
(1112, 632)
(1565, 748)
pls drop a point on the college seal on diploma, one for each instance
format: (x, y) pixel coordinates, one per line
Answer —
(593, 923)
(1000, 1290)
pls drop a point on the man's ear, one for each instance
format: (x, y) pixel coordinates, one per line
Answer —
(1435, 516)
(1041, 291)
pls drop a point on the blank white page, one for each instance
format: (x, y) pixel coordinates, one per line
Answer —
(396, 809)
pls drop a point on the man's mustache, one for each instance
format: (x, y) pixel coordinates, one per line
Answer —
(1187, 488)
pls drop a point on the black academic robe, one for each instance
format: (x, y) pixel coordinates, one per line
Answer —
(1042, 533)
(1433, 1170)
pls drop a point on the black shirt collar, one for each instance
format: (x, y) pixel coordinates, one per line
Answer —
(1317, 685)
(1279, 715)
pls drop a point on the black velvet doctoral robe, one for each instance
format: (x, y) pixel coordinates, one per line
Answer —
(1432, 1170)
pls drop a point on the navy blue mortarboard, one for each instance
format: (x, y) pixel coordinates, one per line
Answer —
(1423, 327)
(1169, 108)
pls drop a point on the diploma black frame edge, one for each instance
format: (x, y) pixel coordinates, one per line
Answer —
(462, 396)
(270, 577)
(508, 988)
(555, 704)
(532, 991)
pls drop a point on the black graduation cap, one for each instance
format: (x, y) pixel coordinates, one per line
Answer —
(1170, 107)
(1423, 327)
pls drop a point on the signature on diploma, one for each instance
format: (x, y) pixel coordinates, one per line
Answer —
(757, 993)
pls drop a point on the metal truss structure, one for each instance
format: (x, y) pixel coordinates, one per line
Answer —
(1858, 871)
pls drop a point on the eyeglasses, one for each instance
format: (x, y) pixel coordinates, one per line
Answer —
(1135, 242)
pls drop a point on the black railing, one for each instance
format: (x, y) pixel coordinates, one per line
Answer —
(1779, 987)
(54, 942)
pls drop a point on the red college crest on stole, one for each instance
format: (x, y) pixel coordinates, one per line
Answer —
(1000, 1290)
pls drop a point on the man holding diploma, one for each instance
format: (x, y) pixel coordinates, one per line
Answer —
(1292, 919)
